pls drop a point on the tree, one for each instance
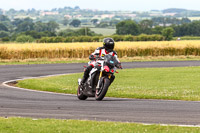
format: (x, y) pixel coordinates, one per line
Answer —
(33, 34)
(24, 38)
(194, 28)
(52, 26)
(67, 32)
(5, 39)
(168, 33)
(187, 29)
(146, 26)
(4, 18)
(77, 8)
(185, 20)
(103, 25)
(65, 22)
(114, 22)
(94, 21)
(127, 27)
(75, 23)
(3, 27)
(11, 11)
(28, 20)
(4, 34)
(40, 27)
(157, 30)
(17, 21)
(25, 26)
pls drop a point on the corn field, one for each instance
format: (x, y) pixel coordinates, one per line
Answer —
(83, 50)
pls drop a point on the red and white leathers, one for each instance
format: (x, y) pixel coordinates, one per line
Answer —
(101, 52)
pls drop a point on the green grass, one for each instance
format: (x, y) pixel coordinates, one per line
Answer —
(104, 31)
(41, 61)
(28, 125)
(188, 38)
(144, 83)
(194, 18)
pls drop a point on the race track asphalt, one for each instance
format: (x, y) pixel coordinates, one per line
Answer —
(24, 103)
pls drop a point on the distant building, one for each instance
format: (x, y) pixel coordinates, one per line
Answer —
(165, 25)
(78, 16)
(107, 16)
(96, 17)
(68, 16)
(130, 15)
(169, 14)
(155, 14)
(48, 13)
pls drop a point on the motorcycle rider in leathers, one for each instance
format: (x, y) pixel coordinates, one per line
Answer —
(108, 46)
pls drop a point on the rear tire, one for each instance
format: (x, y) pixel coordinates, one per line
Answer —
(80, 94)
(100, 94)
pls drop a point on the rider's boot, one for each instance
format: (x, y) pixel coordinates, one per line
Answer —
(86, 74)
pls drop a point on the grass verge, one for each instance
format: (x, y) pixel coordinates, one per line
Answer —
(42, 61)
(85, 60)
(28, 125)
(143, 83)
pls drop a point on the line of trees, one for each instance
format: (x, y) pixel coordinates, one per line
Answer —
(11, 30)
(117, 38)
(26, 30)
(131, 27)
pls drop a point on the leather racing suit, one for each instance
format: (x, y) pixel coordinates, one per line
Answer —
(99, 52)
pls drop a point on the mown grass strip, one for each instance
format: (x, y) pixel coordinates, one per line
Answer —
(43, 61)
(85, 60)
(143, 83)
(28, 125)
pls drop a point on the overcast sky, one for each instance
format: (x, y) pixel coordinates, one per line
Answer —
(133, 5)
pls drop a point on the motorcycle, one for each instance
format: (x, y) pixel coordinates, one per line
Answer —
(100, 78)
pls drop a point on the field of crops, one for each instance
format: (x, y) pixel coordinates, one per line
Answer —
(83, 50)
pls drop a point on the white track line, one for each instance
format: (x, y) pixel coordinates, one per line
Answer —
(171, 125)
(6, 84)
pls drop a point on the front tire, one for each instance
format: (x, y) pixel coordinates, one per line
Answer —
(80, 94)
(101, 92)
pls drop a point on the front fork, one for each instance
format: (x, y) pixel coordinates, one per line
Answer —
(101, 80)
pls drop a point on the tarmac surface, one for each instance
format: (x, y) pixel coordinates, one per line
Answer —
(26, 103)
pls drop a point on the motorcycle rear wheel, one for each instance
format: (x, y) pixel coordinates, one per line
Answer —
(101, 92)
(80, 94)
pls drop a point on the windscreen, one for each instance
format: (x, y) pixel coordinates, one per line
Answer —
(110, 60)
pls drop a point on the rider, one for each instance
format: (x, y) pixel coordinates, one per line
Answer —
(108, 46)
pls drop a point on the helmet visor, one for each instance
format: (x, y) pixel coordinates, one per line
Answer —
(110, 46)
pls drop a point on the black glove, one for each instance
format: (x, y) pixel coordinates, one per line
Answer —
(92, 57)
(119, 65)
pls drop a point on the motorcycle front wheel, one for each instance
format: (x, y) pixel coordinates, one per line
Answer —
(80, 94)
(101, 92)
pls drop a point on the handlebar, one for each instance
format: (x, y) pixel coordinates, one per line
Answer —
(99, 58)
